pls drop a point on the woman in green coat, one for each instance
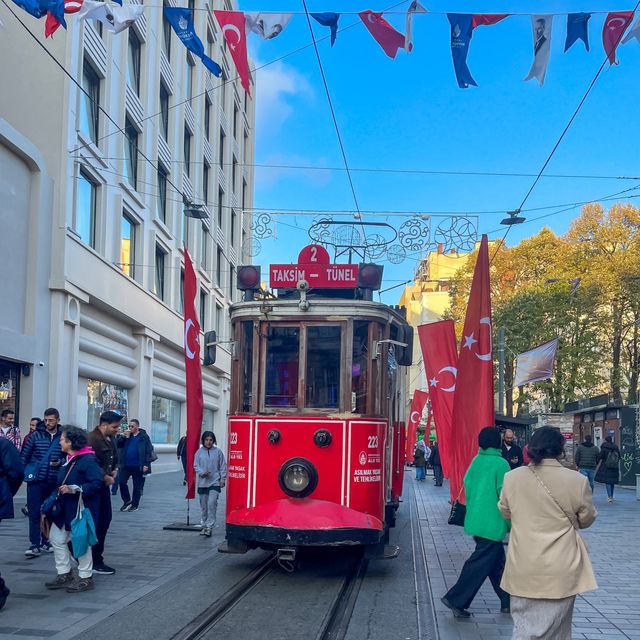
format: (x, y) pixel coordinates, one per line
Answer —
(483, 521)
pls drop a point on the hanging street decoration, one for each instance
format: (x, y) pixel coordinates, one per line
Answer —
(52, 23)
(614, 27)
(181, 19)
(577, 29)
(461, 32)
(541, 25)
(383, 33)
(328, 19)
(634, 32)
(114, 18)
(267, 25)
(414, 7)
(232, 24)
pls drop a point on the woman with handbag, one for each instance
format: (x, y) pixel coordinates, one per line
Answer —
(482, 484)
(547, 561)
(81, 475)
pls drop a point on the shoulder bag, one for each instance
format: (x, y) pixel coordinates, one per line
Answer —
(83, 530)
(570, 517)
(51, 507)
(458, 511)
(31, 469)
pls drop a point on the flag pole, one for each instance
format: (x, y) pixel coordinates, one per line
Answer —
(501, 333)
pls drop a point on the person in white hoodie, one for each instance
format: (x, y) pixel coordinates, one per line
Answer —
(211, 476)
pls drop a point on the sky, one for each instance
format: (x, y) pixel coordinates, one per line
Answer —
(409, 114)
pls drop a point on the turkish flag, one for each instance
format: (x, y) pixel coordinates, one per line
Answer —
(417, 407)
(385, 35)
(193, 371)
(487, 19)
(52, 23)
(438, 344)
(473, 398)
(615, 25)
(232, 24)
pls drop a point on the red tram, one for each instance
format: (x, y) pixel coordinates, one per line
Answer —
(316, 430)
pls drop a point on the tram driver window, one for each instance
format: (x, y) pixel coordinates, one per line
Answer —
(359, 367)
(281, 379)
(322, 379)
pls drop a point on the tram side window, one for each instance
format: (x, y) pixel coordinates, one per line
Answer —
(322, 377)
(359, 367)
(281, 376)
(247, 365)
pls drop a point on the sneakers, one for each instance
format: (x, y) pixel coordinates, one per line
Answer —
(103, 570)
(46, 547)
(132, 508)
(25, 511)
(62, 581)
(80, 585)
(207, 532)
(609, 499)
(33, 551)
(125, 506)
(3, 597)
(457, 613)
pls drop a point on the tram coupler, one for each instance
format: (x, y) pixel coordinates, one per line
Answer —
(286, 557)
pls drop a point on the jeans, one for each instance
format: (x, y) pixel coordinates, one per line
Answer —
(610, 488)
(62, 556)
(138, 483)
(37, 492)
(590, 475)
(421, 473)
(437, 474)
(102, 524)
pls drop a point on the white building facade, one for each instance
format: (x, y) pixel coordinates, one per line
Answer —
(92, 221)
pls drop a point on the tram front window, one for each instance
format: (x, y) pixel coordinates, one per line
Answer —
(359, 367)
(322, 379)
(281, 379)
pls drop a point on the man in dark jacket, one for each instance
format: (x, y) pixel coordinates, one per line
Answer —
(102, 440)
(135, 461)
(587, 458)
(42, 458)
(511, 452)
(11, 475)
(434, 461)
(608, 469)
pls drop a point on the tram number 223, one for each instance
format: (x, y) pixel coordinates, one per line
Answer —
(373, 442)
(233, 437)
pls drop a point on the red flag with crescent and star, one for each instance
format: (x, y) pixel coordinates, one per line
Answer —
(438, 344)
(193, 371)
(473, 398)
(615, 25)
(232, 24)
(384, 34)
(417, 407)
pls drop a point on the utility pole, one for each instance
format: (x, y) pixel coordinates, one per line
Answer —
(501, 371)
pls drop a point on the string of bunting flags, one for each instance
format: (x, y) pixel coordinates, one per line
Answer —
(236, 24)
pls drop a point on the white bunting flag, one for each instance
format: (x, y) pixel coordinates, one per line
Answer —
(267, 25)
(541, 46)
(536, 364)
(114, 17)
(414, 7)
(634, 32)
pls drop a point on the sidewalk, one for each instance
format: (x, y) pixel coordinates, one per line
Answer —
(611, 612)
(144, 555)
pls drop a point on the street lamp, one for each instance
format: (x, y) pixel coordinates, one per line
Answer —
(193, 210)
(513, 218)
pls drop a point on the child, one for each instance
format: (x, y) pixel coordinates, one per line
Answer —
(211, 474)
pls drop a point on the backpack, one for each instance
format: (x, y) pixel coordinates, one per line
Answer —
(612, 460)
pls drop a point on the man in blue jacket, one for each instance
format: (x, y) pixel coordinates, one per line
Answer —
(135, 461)
(10, 480)
(41, 457)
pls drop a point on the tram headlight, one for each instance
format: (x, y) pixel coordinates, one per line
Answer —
(298, 477)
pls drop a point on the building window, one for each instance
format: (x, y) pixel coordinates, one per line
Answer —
(219, 267)
(164, 111)
(234, 172)
(246, 146)
(208, 419)
(102, 396)
(218, 320)
(166, 37)
(133, 61)
(90, 103)
(220, 198)
(128, 245)
(165, 420)
(207, 118)
(187, 151)
(205, 182)
(184, 229)
(161, 201)
(86, 209)
(203, 308)
(204, 247)
(235, 121)
(131, 153)
(221, 149)
(188, 80)
(234, 219)
(244, 194)
(159, 288)
(181, 301)
(224, 78)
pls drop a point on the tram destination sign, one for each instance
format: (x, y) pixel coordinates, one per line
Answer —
(315, 267)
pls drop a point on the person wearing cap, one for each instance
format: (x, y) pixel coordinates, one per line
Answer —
(102, 441)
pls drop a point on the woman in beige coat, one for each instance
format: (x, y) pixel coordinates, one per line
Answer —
(547, 560)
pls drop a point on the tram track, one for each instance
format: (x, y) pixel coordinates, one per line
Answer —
(328, 601)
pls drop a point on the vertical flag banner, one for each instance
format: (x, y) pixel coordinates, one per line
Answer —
(267, 25)
(541, 26)
(52, 23)
(536, 364)
(328, 19)
(414, 7)
(438, 344)
(232, 24)
(417, 407)
(33, 7)
(615, 25)
(487, 19)
(577, 29)
(114, 18)
(634, 32)
(461, 32)
(383, 33)
(181, 19)
(473, 397)
(193, 371)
